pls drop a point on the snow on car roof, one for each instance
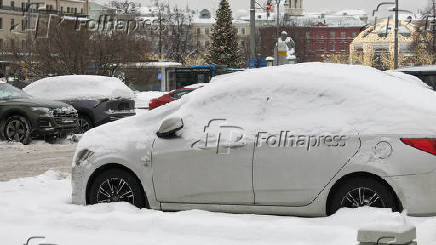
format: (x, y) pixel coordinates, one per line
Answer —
(305, 99)
(79, 87)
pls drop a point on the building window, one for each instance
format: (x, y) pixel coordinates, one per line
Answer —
(12, 4)
(75, 10)
(23, 44)
(1, 23)
(62, 10)
(206, 30)
(343, 46)
(354, 34)
(206, 44)
(332, 35)
(68, 9)
(1, 43)
(23, 6)
(1, 4)
(343, 35)
(81, 10)
(12, 24)
(332, 46)
(12, 43)
(243, 31)
(198, 31)
(23, 25)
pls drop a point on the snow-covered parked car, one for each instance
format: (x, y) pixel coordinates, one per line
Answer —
(23, 117)
(97, 99)
(302, 139)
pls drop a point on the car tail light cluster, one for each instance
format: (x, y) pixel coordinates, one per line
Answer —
(423, 144)
(152, 104)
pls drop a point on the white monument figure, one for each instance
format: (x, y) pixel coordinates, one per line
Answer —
(286, 49)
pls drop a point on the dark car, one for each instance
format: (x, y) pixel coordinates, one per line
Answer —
(23, 117)
(97, 99)
(426, 73)
(93, 113)
(167, 98)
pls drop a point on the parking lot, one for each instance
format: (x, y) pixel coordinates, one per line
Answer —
(19, 161)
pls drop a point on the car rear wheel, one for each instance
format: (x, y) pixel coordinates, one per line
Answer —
(362, 191)
(117, 185)
(17, 129)
(85, 124)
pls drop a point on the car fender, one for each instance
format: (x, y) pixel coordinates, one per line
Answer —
(141, 169)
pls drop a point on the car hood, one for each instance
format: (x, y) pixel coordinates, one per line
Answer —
(36, 102)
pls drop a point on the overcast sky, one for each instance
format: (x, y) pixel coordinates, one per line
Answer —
(309, 5)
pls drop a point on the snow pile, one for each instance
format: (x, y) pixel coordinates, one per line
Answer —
(79, 87)
(42, 206)
(311, 99)
(142, 99)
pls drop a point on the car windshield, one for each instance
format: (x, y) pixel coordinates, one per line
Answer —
(8, 92)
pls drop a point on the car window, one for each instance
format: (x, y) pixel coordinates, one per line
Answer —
(177, 95)
(10, 92)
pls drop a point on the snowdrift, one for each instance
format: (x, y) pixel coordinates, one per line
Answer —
(79, 87)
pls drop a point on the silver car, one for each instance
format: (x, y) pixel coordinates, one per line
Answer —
(276, 172)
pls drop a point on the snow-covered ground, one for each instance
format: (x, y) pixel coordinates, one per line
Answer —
(41, 205)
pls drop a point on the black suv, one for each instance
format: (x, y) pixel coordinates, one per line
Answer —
(426, 73)
(22, 117)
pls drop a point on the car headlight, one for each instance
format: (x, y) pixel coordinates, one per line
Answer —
(83, 156)
(46, 112)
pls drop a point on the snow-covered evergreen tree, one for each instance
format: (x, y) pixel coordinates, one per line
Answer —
(224, 49)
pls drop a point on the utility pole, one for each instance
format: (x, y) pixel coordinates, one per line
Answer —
(252, 29)
(277, 31)
(396, 35)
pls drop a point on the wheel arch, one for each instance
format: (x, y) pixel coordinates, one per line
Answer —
(105, 167)
(360, 174)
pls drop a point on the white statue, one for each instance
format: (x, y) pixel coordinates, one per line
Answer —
(286, 48)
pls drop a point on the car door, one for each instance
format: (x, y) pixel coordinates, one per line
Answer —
(293, 172)
(202, 172)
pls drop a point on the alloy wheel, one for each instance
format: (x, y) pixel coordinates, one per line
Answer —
(362, 197)
(15, 130)
(84, 125)
(115, 190)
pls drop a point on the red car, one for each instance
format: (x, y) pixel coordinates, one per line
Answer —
(167, 98)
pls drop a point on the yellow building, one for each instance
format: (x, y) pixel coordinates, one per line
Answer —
(375, 45)
(13, 17)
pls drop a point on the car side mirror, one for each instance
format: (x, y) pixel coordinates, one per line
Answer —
(169, 127)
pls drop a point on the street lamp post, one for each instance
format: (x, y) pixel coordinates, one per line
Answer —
(396, 49)
(252, 29)
(277, 31)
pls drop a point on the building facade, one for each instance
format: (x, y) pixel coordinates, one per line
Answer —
(13, 17)
(375, 45)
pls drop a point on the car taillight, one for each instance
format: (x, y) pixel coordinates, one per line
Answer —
(427, 145)
(152, 104)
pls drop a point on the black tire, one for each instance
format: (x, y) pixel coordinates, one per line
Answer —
(125, 188)
(366, 190)
(85, 124)
(17, 129)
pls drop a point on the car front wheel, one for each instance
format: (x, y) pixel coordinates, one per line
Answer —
(117, 185)
(362, 191)
(17, 128)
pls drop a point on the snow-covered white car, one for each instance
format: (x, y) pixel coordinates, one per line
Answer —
(302, 139)
(97, 99)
